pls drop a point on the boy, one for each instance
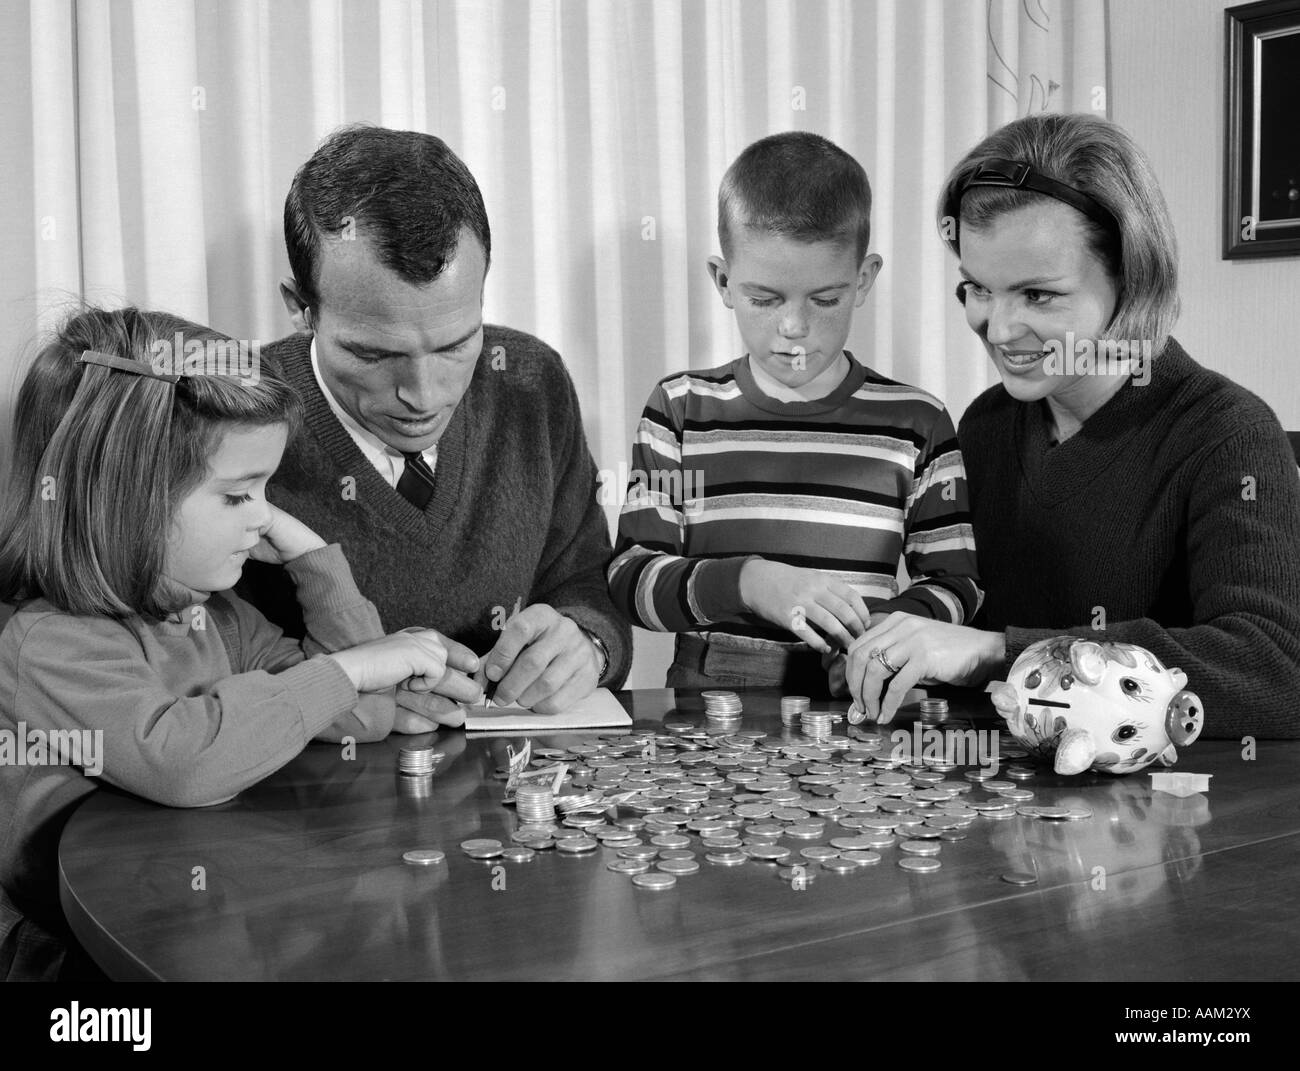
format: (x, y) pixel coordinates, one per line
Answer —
(773, 497)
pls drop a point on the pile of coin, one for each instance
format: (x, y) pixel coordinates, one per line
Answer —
(658, 806)
(792, 706)
(417, 761)
(535, 804)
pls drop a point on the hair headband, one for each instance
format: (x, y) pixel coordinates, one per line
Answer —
(121, 364)
(1012, 174)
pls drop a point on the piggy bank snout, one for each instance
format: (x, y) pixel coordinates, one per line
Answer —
(1184, 718)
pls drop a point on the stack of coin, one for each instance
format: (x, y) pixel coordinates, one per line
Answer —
(792, 706)
(934, 710)
(417, 761)
(721, 704)
(535, 804)
(816, 723)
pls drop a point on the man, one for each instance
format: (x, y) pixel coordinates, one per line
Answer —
(446, 456)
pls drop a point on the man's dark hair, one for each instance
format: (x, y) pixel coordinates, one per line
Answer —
(798, 185)
(405, 192)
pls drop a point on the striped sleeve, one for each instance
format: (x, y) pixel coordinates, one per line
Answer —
(939, 546)
(650, 579)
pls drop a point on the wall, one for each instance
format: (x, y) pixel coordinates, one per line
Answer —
(1240, 318)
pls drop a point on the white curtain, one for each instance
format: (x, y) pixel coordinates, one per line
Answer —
(153, 142)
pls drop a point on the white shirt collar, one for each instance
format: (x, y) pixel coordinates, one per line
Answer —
(388, 462)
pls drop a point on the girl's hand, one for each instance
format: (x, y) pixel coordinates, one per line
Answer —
(284, 538)
(418, 658)
(919, 651)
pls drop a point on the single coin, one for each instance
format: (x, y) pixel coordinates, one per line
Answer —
(485, 853)
(850, 843)
(953, 835)
(726, 858)
(862, 857)
(1077, 814)
(423, 856)
(1019, 877)
(576, 845)
(519, 854)
(797, 873)
(676, 853)
(1057, 813)
(918, 863)
(919, 847)
(670, 840)
(655, 880)
(819, 852)
(481, 842)
(840, 865)
(638, 851)
(768, 852)
(678, 866)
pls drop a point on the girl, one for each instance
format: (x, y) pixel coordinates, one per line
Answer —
(136, 497)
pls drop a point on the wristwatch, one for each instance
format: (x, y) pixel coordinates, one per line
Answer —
(601, 649)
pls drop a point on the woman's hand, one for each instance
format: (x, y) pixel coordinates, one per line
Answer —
(918, 651)
(284, 538)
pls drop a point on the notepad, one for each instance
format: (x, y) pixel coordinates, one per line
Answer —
(600, 710)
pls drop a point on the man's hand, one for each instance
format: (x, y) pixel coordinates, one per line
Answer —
(423, 712)
(922, 651)
(803, 599)
(542, 661)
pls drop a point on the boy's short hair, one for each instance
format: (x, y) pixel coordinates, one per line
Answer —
(798, 185)
(1096, 157)
(405, 192)
(103, 457)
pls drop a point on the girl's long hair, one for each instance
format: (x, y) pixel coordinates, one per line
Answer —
(103, 457)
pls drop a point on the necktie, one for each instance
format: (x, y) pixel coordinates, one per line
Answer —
(416, 484)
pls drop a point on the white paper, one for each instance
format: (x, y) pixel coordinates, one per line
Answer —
(600, 710)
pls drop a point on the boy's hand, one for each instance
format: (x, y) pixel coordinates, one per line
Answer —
(799, 599)
(922, 651)
(417, 657)
(284, 538)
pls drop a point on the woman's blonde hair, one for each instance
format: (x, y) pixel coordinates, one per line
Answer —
(1100, 160)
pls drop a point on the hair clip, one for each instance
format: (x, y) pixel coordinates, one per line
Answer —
(1017, 175)
(121, 364)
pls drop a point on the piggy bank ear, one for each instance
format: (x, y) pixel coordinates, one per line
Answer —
(1184, 719)
(1088, 661)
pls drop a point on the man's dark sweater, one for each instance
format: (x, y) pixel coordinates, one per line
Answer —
(514, 519)
(1172, 517)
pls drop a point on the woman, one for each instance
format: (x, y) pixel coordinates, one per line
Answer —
(1117, 491)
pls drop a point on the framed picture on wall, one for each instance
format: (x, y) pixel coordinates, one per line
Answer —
(1261, 187)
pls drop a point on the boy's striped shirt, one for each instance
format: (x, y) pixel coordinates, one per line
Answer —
(846, 485)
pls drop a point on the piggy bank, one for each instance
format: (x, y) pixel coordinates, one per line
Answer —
(1102, 706)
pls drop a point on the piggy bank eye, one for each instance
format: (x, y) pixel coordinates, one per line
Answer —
(1124, 732)
(1130, 686)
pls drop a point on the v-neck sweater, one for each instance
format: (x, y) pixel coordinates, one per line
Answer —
(1171, 520)
(515, 517)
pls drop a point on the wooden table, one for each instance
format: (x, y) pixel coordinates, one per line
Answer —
(301, 877)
